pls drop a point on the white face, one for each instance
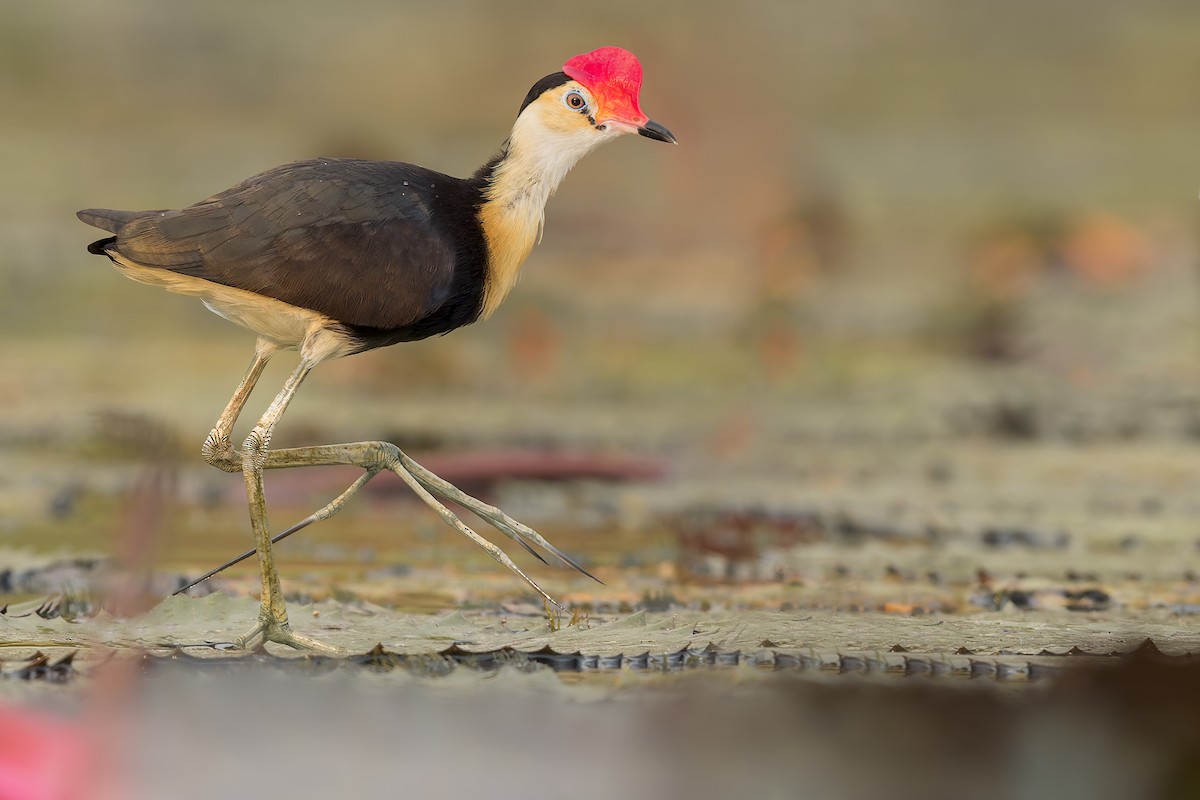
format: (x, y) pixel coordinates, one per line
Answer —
(571, 107)
(561, 127)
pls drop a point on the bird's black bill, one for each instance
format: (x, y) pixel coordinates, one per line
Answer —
(652, 130)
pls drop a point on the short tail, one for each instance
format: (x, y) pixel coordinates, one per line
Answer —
(107, 219)
(111, 220)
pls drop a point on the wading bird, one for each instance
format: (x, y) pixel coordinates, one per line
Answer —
(333, 257)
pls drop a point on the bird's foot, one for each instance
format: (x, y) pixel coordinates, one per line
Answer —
(270, 628)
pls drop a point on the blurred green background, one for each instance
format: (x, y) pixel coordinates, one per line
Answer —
(940, 221)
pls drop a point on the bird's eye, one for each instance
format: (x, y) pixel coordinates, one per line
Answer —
(575, 101)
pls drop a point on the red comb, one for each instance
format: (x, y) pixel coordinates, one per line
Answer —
(614, 77)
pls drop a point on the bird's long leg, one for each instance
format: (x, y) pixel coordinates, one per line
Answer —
(272, 622)
(218, 449)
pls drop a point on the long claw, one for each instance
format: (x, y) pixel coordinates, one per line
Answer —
(470, 503)
(453, 521)
(515, 530)
(524, 545)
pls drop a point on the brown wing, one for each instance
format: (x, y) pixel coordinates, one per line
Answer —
(355, 240)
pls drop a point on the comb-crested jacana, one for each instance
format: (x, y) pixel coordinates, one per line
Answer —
(333, 257)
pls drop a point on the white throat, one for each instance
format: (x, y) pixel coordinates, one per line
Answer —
(540, 152)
